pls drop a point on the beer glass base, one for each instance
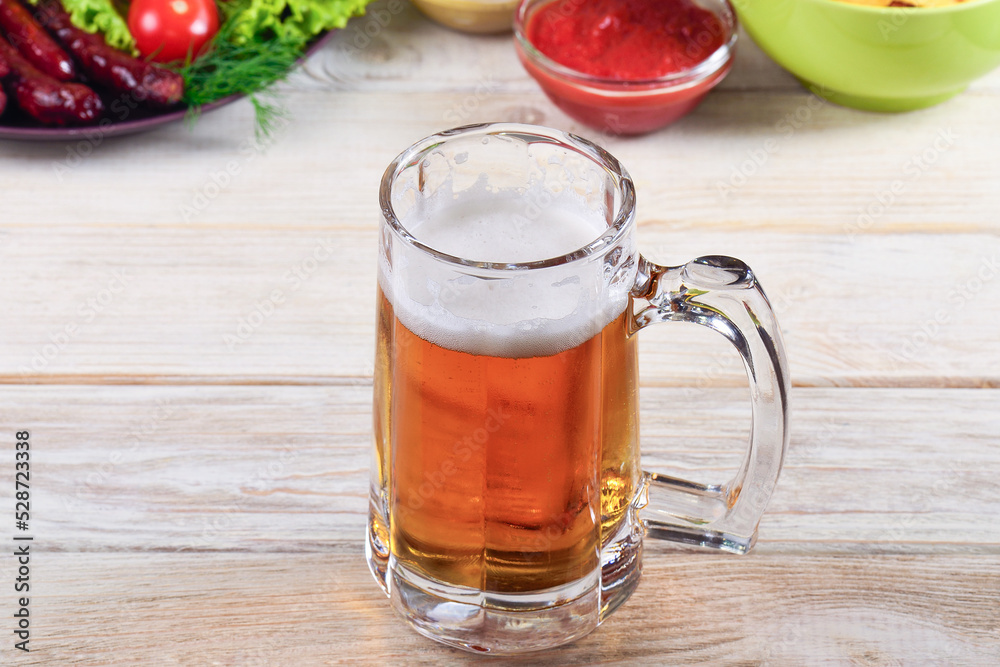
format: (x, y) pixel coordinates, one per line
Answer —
(621, 566)
(377, 546)
(512, 623)
(496, 623)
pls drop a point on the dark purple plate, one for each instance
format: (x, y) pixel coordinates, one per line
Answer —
(16, 126)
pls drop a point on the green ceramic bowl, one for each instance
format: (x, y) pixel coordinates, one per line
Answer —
(878, 59)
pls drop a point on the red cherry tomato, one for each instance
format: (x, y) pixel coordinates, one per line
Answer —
(168, 30)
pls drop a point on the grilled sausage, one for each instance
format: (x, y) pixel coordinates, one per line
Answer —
(110, 67)
(4, 71)
(34, 43)
(45, 99)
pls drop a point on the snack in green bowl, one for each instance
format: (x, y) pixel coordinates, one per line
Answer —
(877, 58)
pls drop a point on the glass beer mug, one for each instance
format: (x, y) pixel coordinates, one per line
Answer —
(508, 507)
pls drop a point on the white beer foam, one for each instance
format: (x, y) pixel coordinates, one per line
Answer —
(529, 314)
(509, 231)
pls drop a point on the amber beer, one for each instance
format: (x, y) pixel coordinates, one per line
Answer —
(507, 508)
(508, 472)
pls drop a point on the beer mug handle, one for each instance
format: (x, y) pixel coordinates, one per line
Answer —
(720, 293)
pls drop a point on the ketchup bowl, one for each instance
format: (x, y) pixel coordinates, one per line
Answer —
(617, 95)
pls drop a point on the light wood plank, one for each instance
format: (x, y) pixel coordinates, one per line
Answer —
(217, 517)
(295, 609)
(286, 468)
(297, 306)
(760, 153)
(742, 161)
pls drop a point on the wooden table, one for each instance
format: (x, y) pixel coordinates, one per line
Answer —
(187, 334)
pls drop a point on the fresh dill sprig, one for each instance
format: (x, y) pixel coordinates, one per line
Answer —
(249, 67)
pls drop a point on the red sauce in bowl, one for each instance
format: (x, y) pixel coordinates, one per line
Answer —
(626, 66)
(628, 40)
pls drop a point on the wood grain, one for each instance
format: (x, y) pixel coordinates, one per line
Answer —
(187, 331)
(759, 154)
(732, 166)
(314, 609)
(266, 469)
(297, 306)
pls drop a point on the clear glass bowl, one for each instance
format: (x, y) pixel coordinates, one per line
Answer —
(626, 107)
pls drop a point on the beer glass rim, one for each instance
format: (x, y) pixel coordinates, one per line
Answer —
(610, 238)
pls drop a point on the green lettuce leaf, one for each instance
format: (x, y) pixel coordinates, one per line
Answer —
(293, 21)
